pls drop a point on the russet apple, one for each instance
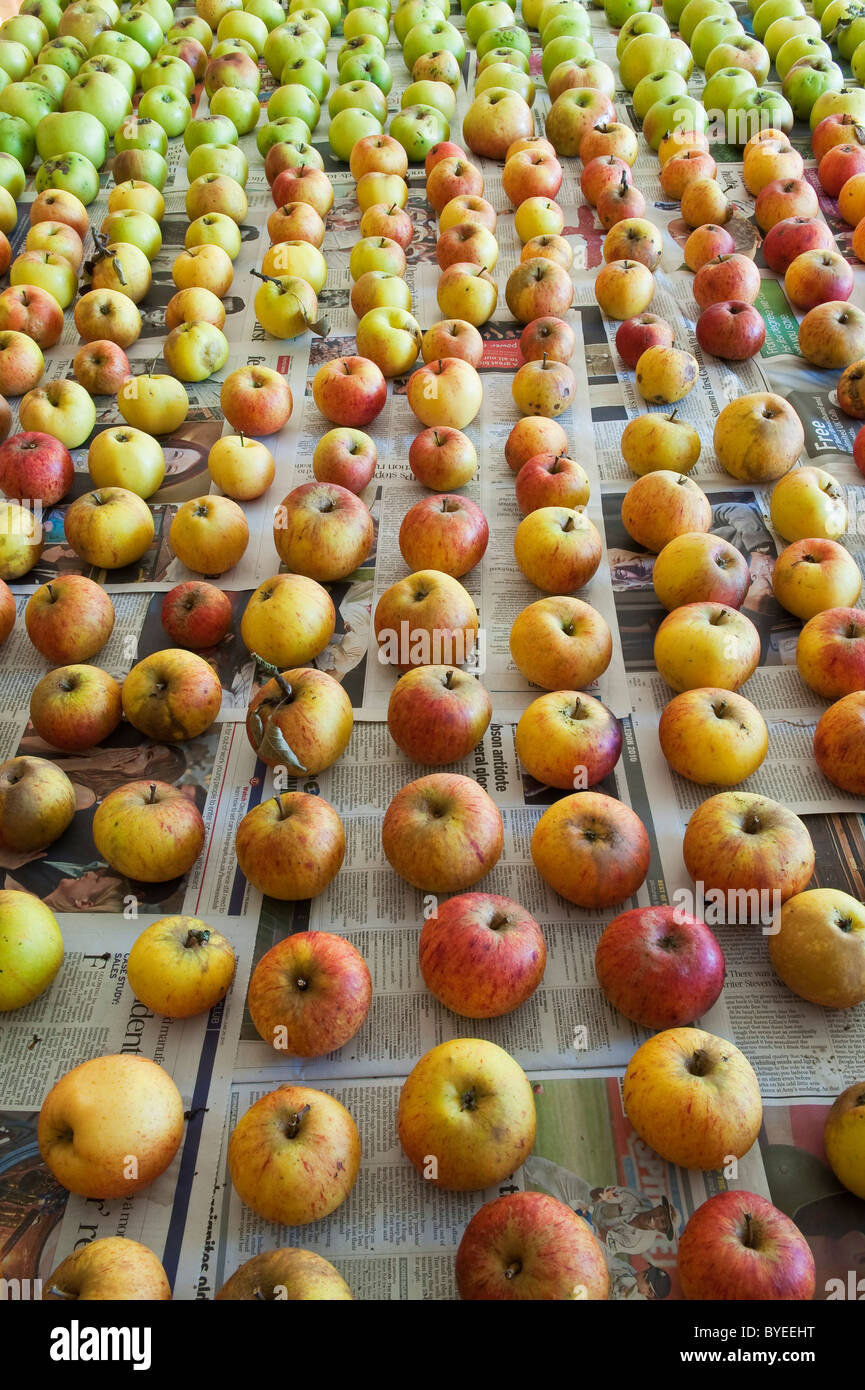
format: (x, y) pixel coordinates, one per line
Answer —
(310, 993)
(75, 707)
(706, 644)
(471, 1105)
(481, 955)
(301, 719)
(290, 846)
(683, 1071)
(88, 1153)
(660, 967)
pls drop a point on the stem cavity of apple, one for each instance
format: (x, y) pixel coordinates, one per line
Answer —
(197, 937)
(293, 1123)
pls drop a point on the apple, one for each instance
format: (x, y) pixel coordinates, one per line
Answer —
(35, 467)
(808, 502)
(817, 277)
(300, 1274)
(301, 718)
(732, 330)
(547, 336)
(171, 695)
(712, 736)
(758, 437)
(481, 955)
(75, 707)
(179, 967)
(850, 390)
(613, 137)
(553, 248)
(738, 1246)
(624, 289)
(376, 253)
(770, 160)
(111, 1267)
(445, 392)
(459, 1091)
(256, 400)
(349, 390)
(537, 217)
(467, 207)
(819, 948)
(288, 620)
(468, 292)
(148, 831)
(572, 114)
(551, 480)
(563, 732)
(380, 153)
(31, 949)
(561, 643)
(90, 1158)
(209, 534)
(838, 743)
(660, 967)
(310, 993)
(108, 315)
(706, 644)
(832, 335)
(442, 833)
(662, 505)
(450, 338)
(830, 652)
(33, 312)
(294, 1156)
(453, 177)
(740, 843)
(732, 276)
(322, 530)
(494, 120)
(8, 611)
(558, 549)
(445, 533)
(442, 458)
(109, 528)
(69, 619)
(538, 288)
(843, 1138)
(528, 1245)
(37, 804)
(290, 846)
(591, 849)
(544, 387)
(700, 568)
(21, 540)
(636, 335)
(839, 129)
(101, 367)
(812, 575)
(534, 435)
(438, 714)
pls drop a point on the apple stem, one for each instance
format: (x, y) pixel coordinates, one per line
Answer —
(278, 800)
(265, 665)
(674, 414)
(119, 270)
(293, 1126)
(197, 938)
(256, 1293)
(60, 1293)
(287, 692)
(151, 801)
(749, 1235)
(513, 1269)
(268, 279)
(699, 1062)
(50, 592)
(449, 680)
(242, 439)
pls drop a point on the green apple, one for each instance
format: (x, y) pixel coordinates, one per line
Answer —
(656, 87)
(366, 20)
(413, 12)
(138, 228)
(332, 9)
(318, 20)
(295, 100)
(565, 10)
(512, 56)
(561, 50)
(192, 27)
(512, 37)
(209, 130)
(64, 52)
(219, 159)
(349, 126)
(271, 12)
(73, 173)
(831, 103)
(52, 78)
(742, 51)
(17, 138)
(49, 11)
(809, 79)
(148, 166)
(16, 59)
(489, 14)
(618, 11)
(116, 68)
(220, 49)
(242, 108)
(725, 86)
(273, 132)
(110, 44)
(430, 37)
(848, 36)
(640, 24)
(12, 176)
(26, 29)
(140, 133)
(710, 33)
(278, 48)
(696, 10)
(239, 24)
(568, 26)
(418, 128)
(28, 101)
(364, 95)
(770, 10)
(171, 72)
(139, 25)
(368, 68)
(308, 73)
(673, 11)
(756, 110)
(300, 40)
(803, 46)
(383, 6)
(683, 112)
(653, 53)
(780, 30)
(31, 949)
(72, 130)
(101, 95)
(169, 107)
(162, 12)
(443, 98)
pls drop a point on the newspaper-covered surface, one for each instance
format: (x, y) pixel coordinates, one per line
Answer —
(395, 1238)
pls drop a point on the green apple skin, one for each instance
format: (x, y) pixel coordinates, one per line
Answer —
(53, 79)
(364, 95)
(308, 73)
(169, 107)
(657, 87)
(767, 13)
(755, 111)
(219, 159)
(114, 67)
(287, 128)
(850, 37)
(673, 11)
(683, 113)
(512, 37)
(72, 130)
(407, 15)
(12, 176)
(28, 101)
(162, 12)
(171, 72)
(701, 9)
(17, 138)
(242, 108)
(141, 26)
(726, 86)
(136, 133)
(49, 11)
(271, 12)
(857, 64)
(652, 53)
(71, 172)
(15, 59)
(31, 949)
(428, 38)
(110, 44)
(64, 52)
(805, 82)
(800, 47)
(850, 102)
(294, 100)
(369, 69)
(209, 130)
(101, 95)
(711, 32)
(148, 166)
(617, 11)
(349, 126)
(418, 128)
(780, 30)
(569, 26)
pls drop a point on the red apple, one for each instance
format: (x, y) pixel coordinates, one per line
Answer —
(35, 467)
(790, 237)
(101, 367)
(349, 391)
(346, 457)
(547, 337)
(635, 336)
(530, 1246)
(732, 330)
(551, 480)
(8, 611)
(738, 1246)
(446, 533)
(659, 966)
(31, 310)
(196, 615)
(69, 619)
(438, 714)
(481, 955)
(310, 993)
(75, 707)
